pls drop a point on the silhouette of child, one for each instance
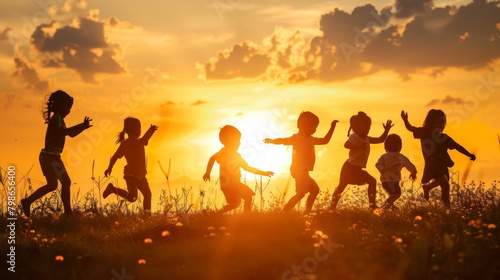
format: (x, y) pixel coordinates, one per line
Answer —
(230, 174)
(304, 157)
(352, 171)
(390, 165)
(58, 107)
(132, 148)
(435, 145)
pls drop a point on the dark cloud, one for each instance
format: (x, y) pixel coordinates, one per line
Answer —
(367, 41)
(4, 34)
(27, 73)
(446, 100)
(242, 61)
(83, 48)
(409, 8)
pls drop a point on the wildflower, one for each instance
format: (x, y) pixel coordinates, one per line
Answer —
(32, 231)
(213, 234)
(227, 234)
(316, 245)
(141, 261)
(492, 226)
(165, 233)
(222, 228)
(148, 240)
(210, 228)
(398, 240)
(418, 218)
(179, 224)
(117, 223)
(59, 258)
(324, 236)
(319, 232)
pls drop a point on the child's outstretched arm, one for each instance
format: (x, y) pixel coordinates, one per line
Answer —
(148, 134)
(462, 150)
(278, 141)
(77, 129)
(258, 171)
(112, 162)
(387, 127)
(404, 116)
(211, 161)
(328, 136)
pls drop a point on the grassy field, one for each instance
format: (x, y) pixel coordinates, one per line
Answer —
(420, 241)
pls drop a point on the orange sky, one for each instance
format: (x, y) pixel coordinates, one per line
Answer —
(192, 67)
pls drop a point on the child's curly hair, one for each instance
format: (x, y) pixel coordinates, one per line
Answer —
(393, 143)
(54, 102)
(358, 120)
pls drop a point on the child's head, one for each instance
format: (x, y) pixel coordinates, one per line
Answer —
(58, 102)
(393, 143)
(307, 122)
(435, 119)
(230, 136)
(360, 124)
(132, 127)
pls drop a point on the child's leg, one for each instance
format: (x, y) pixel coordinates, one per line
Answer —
(337, 194)
(301, 188)
(232, 198)
(66, 193)
(143, 187)
(110, 188)
(394, 191)
(372, 189)
(428, 187)
(313, 193)
(445, 190)
(39, 193)
(293, 201)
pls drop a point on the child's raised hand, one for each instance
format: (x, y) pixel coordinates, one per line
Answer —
(404, 115)
(472, 157)
(206, 177)
(268, 141)
(86, 122)
(334, 123)
(388, 125)
(153, 127)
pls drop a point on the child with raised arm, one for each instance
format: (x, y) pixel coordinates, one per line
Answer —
(353, 171)
(435, 145)
(389, 165)
(230, 174)
(59, 104)
(304, 157)
(132, 148)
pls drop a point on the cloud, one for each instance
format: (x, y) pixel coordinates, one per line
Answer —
(4, 34)
(27, 73)
(199, 102)
(367, 41)
(83, 47)
(409, 8)
(446, 100)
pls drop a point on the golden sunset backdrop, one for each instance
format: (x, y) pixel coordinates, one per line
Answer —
(191, 67)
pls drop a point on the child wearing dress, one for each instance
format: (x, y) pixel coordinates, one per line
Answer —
(435, 145)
